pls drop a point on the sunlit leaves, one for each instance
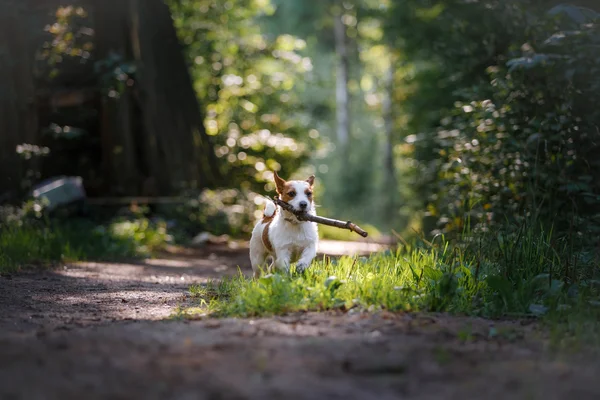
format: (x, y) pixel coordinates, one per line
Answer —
(248, 82)
(72, 38)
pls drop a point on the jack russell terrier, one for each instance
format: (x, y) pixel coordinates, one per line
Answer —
(280, 234)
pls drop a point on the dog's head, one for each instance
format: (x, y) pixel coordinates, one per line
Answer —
(299, 194)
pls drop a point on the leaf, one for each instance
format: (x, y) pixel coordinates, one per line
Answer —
(531, 62)
(534, 138)
(332, 283)
(573, 187)
(403, 289)
(544, 278)
(267, 279)
(556, 286)
(557, 38)
(594, 283)
(579, 15)
(500, 285)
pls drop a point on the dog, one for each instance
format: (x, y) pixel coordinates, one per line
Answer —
(280, 235)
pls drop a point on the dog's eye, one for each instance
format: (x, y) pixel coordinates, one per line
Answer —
(292, 194)
(308, 194)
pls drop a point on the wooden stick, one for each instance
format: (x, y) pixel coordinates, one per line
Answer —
(303, 216)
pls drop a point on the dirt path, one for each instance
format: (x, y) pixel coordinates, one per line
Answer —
(99, 330)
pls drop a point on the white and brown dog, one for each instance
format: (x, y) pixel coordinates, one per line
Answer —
(280, 234)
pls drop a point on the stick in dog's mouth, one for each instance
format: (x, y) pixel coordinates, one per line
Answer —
(305, 216)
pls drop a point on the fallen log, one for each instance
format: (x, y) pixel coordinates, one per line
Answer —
(303, 216)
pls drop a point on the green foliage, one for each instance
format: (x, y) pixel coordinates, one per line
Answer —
(72, 42)
(518, 132)
(249, 84)
(21, 246)
(115, 74)
(136, 237)
(451, 43)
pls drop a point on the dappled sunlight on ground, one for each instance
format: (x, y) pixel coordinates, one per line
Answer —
(89, 293)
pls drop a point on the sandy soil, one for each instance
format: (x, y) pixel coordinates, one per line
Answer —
(99, 330)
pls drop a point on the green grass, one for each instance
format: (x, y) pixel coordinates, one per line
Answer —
(406, 280)
(524, 273)
(40, 243)
(21, 246)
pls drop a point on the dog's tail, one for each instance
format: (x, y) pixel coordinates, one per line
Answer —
(270, 209)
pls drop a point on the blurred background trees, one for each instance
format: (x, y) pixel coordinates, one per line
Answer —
(415, 115)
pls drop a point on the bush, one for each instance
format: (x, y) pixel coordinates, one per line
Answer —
(522, 144)
(26, 240)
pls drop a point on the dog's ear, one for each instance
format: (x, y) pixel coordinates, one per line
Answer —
(279, 183)
(311, 180)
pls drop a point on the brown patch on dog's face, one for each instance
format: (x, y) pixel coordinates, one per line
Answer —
(309, 194)
(285, 189)
(309, 191)
(288, 192)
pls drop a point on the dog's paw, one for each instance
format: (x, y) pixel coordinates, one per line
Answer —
(301, 267)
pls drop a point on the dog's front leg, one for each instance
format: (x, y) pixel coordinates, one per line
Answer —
(308, 254)
(282, 262)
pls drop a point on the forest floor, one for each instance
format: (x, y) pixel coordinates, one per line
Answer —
(107, 330)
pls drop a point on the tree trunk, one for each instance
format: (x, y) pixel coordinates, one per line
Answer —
(18, 118)
(390, 191)
(123, 168)
(173, 121)
(342, 96)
